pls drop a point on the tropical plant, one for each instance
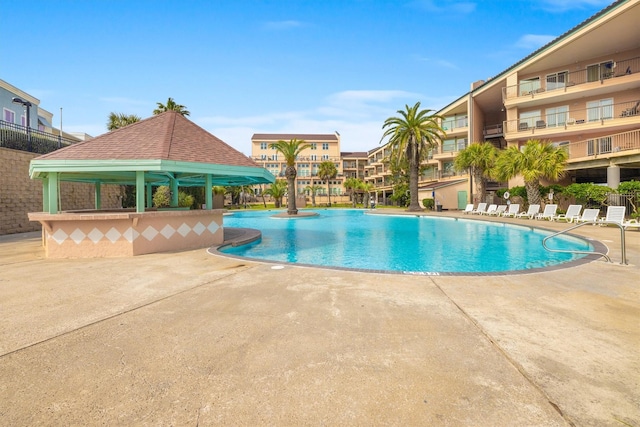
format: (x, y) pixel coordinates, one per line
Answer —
(588, 194)
(399, 196)
(119, 120)
(171, 106)
(290, 150)
(162, 198)
(313, 190)
(326, 172)
(367, 188)
(537, 159)
(277, 190)
(480, 158)
(352, 184)
(411, 136)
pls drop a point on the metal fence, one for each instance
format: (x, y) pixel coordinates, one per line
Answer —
(18, 137)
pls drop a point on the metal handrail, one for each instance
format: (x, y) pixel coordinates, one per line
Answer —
(622, 241)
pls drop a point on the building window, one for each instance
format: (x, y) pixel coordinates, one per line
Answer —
(9, 116)
(557, 80)
(528, 119)
(529, 85)
(325, 145)
(325, 157)
(601, 71)
(557, 116)
(263, 145)
(599, 146)
(314, 157)
(314, 146)
(600, 110)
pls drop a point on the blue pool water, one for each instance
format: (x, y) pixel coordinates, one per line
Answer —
(412, 244)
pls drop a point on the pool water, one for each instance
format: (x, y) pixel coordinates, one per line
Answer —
(402, 243)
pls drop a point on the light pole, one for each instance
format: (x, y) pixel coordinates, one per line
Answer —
(27, 106)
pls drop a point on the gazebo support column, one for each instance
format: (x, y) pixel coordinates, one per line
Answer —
(174, 193)
(45, 195)
(98, 196)
(140, 191)
(52, 191)
(208, 195)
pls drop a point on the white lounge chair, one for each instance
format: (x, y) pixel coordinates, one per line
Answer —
(499, 210)
(530, 213)
(573, 212)
(490, 210)
(548, 213)
(480, 209)
(514, 209)
(615, 215)
(632, 223)
(468, 209)
(589, 215)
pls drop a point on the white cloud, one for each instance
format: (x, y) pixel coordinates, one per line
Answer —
(282, 25)
(533, 41)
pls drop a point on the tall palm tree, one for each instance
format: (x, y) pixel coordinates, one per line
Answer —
(326, 172)
(352, 184)
(119, 120)
(290, 150)
(480, 158)
(367, 187)
(538, 159)
(171, 106)
(411, 136)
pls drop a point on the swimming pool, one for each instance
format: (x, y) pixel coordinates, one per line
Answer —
(400, 243)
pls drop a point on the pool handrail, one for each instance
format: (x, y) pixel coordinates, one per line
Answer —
(622, 241)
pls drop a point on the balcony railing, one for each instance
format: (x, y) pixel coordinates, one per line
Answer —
(564, 120)
(611, 146)
(18, 137)
(563, 80)
(450, 124)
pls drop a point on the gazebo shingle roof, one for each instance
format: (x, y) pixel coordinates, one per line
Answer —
(167, 136)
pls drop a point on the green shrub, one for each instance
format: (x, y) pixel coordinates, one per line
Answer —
(162, 198)
(588, 194)
(428, 203)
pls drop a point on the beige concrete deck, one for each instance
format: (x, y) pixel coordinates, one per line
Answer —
(194, 339)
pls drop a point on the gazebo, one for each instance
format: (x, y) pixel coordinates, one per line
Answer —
(166, 149)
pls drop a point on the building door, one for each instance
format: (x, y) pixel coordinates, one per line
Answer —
(462, 200)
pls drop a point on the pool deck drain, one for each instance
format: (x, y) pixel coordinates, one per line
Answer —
(189, 338)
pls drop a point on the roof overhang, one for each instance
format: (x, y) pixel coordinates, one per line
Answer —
(157, 172)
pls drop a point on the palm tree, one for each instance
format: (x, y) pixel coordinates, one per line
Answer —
(119, 120)
(326, 172)
(480, 158)
(171, 106)
(538, 159)
(290, 150)
(352, 184)
(411, 136)
(313, 189)
(277, 190)
(367, 187)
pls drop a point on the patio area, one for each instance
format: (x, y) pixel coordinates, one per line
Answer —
(189, 338)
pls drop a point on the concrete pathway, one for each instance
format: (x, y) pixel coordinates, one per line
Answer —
(196, 339)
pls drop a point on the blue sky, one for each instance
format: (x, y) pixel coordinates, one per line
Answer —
(271, 66)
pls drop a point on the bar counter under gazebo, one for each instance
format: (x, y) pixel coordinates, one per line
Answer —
(166, 149)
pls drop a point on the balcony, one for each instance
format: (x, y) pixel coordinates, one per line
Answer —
(621, 114)
(455, 125)
(613, 72)
(16, 137)
(626, 144)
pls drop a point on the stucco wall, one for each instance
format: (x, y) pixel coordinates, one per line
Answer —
(20, 195)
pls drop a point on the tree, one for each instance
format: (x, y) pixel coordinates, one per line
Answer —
(480, 158)
(327, 171)
(367, 187)
(171, 106)
(119, 120)
(290, 150)
(411, 136)
(352, 184)
(538, 159)
(277, 191)
(313, 189)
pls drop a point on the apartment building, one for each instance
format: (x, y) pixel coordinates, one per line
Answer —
(324, 147)
(581, 91)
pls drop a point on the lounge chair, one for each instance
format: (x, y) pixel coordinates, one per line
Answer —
(632, 223)
(573, 212)
(548, 213)
(468, 209)
(513, 210)
(530, 213)
(589, 215)
(482, 207)
(499, 210)
(490, 210)
(615, 215)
